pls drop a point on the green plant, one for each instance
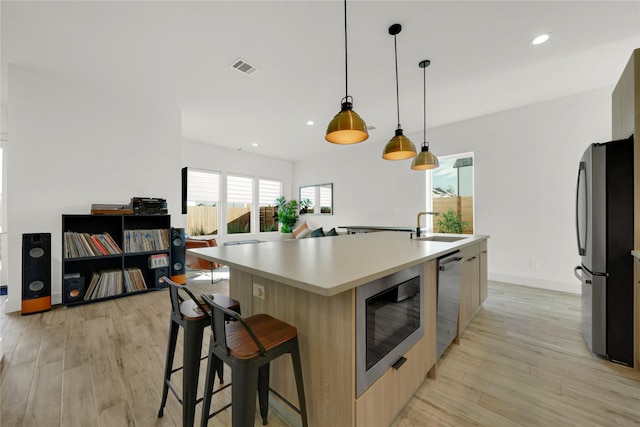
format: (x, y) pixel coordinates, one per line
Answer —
(199, 231)
(304, 206)
(236, 228)
(450, 222)
(287, 214)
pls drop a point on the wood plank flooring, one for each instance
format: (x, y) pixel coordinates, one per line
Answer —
(521, 362)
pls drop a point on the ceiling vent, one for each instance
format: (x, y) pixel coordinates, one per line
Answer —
(244, 67)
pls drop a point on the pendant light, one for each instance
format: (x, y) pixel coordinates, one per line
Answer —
(425, 159)
(399, 147)
(347, 127)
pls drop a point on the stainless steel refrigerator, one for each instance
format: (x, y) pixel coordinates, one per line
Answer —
(604, 226)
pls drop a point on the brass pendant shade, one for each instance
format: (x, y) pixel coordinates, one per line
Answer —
(425, 159)
(347, 127)
(399, 147)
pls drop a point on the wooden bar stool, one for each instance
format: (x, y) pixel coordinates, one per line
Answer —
(190, 314)
(248, 346)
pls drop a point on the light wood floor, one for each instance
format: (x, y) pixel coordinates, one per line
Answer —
(522, 361)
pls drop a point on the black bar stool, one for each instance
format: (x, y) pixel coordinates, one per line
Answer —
(248, 346)
(190, 314)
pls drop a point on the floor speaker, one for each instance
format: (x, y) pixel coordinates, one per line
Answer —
(73, 288)
(36, 272)
(178, 255)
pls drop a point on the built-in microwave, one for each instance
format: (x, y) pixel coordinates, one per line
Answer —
(389, 321)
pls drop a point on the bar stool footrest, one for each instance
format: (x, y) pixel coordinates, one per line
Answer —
(282, 398)
(228, 405)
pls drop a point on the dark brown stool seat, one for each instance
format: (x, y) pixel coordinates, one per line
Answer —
(194, 317)
(248, 346)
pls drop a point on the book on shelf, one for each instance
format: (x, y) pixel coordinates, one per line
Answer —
(98, 245)
(87, 245)
(134, 280)
(109, 283)
(144, 240)
(158, 260)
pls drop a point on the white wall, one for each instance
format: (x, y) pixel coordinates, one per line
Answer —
(366, 189)
(71, 144)
(525, 175)
(212, 158)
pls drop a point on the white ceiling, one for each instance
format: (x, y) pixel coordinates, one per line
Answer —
(181, 51)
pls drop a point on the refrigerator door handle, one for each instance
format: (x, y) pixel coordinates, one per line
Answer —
(581, 276)
(582, 175)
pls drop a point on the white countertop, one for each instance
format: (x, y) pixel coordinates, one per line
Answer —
(333, 264)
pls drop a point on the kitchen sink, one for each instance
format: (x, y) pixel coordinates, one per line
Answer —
(442, 238)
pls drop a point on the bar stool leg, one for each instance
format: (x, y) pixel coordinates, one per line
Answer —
(219, 369)
(171, 351)
(190, 372)
(297, 371)
(243, 396)
(208, 388)
(263, 392)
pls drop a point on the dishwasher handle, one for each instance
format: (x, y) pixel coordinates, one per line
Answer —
(450, 262)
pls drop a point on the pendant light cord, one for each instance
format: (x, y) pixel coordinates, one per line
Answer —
(424, 70)
(395, 45)
(346, 69)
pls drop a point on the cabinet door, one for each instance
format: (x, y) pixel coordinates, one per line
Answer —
(470, 285)
(636, 314)
(484, 288)
(474, 265)
(465, 310)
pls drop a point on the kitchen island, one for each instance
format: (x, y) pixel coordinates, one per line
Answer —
(311, 283)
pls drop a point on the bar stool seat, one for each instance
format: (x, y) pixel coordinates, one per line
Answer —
(194, 317)
(248, 346)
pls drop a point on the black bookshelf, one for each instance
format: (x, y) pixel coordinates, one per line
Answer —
(97, 250)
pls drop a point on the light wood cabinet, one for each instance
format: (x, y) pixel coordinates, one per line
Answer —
(473, 282)
(636, 313)
(383, 401)
(327, 335)
(625, 120)
(484, 285)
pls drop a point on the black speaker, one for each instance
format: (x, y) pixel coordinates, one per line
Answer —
(178, 255)
(160, 272)
(72, 288)
(36, 272)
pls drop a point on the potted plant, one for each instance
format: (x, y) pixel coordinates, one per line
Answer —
(305, 204)
(287, 214)
(451, 222)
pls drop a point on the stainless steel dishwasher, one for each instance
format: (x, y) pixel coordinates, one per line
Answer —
(448, 300)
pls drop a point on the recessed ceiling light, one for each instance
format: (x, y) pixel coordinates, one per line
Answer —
(255, 144)
(540, 39)
(310, 122)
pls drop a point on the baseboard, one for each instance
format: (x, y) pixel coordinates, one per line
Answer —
(572, 288)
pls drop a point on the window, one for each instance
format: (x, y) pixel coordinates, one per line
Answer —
(268, 191)
(309, 193)
(326, 199)
(202, 200)
(452, 194)
(239, 202)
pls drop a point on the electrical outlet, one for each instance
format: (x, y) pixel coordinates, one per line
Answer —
(258, 291)
(533, 264)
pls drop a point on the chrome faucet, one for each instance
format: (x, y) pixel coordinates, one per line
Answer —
(418, 221)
